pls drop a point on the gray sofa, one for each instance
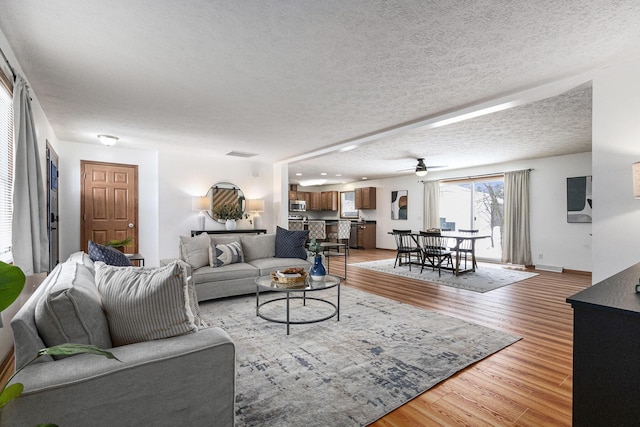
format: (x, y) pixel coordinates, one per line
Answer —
(238, 278)
(187, 379)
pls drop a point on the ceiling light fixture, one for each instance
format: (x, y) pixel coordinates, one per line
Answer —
(108, 140)
(421, 168)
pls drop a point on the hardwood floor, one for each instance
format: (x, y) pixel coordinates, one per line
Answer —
(527, 384)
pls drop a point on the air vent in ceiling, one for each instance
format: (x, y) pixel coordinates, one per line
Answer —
(240, 154)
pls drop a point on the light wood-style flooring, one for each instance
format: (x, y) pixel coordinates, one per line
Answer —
(526, 384)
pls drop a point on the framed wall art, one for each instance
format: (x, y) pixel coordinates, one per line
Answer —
(399, 204)
(579, 199)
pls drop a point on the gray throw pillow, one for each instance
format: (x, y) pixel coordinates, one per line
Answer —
(145, 304)
(71, 311)
(195, 250)
(108, 255)
(259, 246)
(290, 244)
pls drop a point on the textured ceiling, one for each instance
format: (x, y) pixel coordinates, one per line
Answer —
(284, 79)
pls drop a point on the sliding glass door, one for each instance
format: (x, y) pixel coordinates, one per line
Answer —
(475, 204)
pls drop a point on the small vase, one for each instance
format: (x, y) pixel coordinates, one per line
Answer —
(230, 224)
(317, 270)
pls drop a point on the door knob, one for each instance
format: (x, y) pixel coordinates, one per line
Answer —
(130, 225)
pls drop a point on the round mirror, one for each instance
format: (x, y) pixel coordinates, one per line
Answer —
(226, 201)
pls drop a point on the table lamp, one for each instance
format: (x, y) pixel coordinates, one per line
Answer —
(255, 206)
(200, 204)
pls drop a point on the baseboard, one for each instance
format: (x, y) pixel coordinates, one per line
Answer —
(580, 272)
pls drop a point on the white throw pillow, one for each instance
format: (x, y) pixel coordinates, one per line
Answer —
(145, 304)
(195, 250)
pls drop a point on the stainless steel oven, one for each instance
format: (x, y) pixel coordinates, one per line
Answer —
(297, 206)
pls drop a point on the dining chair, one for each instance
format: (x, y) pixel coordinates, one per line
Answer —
(317, 230)
(296, 225)
(406, 247)
(466, 248)
(342, 233)
(434, 251)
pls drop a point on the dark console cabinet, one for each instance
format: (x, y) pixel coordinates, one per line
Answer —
(606, 352)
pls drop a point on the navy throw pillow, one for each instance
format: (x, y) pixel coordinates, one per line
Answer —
(108, 255)
(290, 244)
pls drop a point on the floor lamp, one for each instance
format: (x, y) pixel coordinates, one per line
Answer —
(200, 204)
(255, 206)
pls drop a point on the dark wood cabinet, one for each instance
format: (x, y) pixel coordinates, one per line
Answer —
(329, 200)
(315, 201)
(366, 236)
(366, 198)
(606, 352)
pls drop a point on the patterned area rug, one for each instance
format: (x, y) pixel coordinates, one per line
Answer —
(351, 372)
(487, 277)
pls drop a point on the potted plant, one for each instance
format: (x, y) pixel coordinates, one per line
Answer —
(229, 213)
(120, 244)
(317, 270)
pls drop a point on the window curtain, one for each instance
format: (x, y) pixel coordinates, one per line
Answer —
(431, 207)
(516, 242)
(30, 244)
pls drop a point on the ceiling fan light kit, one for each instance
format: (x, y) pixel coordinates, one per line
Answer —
(421, 168)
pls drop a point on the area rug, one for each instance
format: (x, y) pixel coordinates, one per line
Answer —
(487, 277)
(351, 372)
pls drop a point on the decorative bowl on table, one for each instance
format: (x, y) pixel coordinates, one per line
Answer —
(289, 278)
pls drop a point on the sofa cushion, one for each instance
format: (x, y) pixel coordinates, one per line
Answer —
(290, 244)
(84, 259)
(267, 265)
(258, 246)
(227, 272)
(144, 304)
(195, 250)
(70, 310)
(108, 255)
(220, 255)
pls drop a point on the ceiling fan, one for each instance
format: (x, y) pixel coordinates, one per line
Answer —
(421, 168)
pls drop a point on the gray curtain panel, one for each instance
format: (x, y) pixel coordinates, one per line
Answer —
(431, 207)
(516, 242)
(30, 244)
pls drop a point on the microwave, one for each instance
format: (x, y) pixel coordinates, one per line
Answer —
(297, 206)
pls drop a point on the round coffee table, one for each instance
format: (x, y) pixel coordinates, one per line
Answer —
(299, 291)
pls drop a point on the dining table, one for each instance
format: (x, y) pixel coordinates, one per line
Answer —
(459, 238)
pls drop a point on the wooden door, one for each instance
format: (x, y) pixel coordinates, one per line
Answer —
(109, 203)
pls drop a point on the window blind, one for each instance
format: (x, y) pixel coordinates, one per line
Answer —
(6, 173)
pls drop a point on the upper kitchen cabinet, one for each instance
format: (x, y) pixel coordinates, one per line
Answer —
(366, 198)
(315, 201)
(329, 200)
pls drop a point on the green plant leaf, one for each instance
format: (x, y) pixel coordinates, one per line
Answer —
(71, 349)
(11, 283)
(46, 425)
(9, 393)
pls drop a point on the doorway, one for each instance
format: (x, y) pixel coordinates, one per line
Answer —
(53, 220)
(109, 204)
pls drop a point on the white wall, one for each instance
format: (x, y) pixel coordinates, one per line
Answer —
(183, 175)
(616, 146)
(560, 243)
(71, 153)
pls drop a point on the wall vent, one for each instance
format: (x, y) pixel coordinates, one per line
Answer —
(240, 154)
(552, 268)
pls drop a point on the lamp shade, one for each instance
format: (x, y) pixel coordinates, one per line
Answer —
(636, 179)
(200, 203)
(256, 205)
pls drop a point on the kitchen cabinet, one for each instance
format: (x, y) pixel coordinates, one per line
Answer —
(366, 198)
(315, 201)
(329, 200)
(363, 236)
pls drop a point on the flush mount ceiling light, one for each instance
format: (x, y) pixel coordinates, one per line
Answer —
(108, 140)
(421, 168)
